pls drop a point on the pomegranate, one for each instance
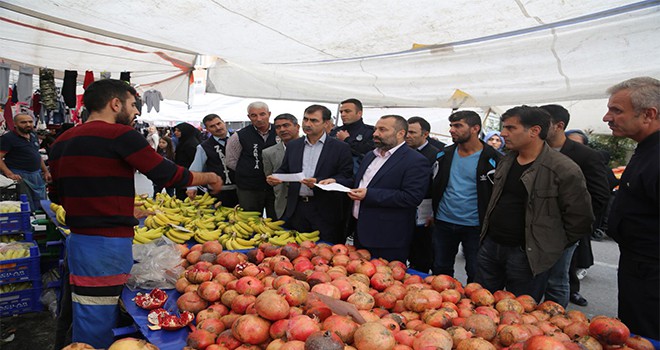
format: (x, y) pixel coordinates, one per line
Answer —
(249, 285)
(343, 326)
(324, 340)
(373, 336)
(503, 294)
(361, 300)
(208, 314)
(638, 343)
(609, 330)
(509, 304)
(327, 289)
(272, 306)
(481, 326)
(200, 339)
(443, 282)
(212, 325)
(226, 339)
(293, 345)
(433, 338)
(381, 280)
(475, 344)
(300, 327)
(511, 334)
(482, 297)
(589, 342)
(242, 302)
(458, 334)
(551, 308)
(543, 342)
(405, 337)
(197, 276)
(210, 291)
(78, 346)
(191, 302)
(251, 329)
(528, 303)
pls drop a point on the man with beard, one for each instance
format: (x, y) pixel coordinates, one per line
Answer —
(390, 183)
(93, 168)
(322, 160)
(210, 156)
(21, 161)
(461, 191)
(287, 129)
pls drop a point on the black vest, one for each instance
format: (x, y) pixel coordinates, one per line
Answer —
(215, 162)
(250, 167)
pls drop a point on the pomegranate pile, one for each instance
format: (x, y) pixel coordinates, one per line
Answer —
(317, 296)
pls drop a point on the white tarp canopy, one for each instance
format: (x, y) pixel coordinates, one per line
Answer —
(492, 52)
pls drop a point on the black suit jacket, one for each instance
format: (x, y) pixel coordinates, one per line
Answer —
(334, 162)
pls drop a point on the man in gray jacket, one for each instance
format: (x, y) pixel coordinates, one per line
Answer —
(539, 206)
(287, 129)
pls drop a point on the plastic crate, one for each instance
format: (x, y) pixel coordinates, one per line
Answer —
(21, 270)
(16, 222)
(21, 302)
(24, 237)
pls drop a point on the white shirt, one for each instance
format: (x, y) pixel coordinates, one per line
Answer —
(371, 171)
(311, 154)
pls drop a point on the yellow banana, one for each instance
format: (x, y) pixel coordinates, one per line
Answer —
(274, 225)
(174, 238)
(244, 242)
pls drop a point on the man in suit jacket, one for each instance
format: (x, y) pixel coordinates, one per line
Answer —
(421, 247)
(287, 129)
(321, 159)
(563, 283)
(390, 183)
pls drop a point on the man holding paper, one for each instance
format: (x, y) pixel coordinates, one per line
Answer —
(320, 159)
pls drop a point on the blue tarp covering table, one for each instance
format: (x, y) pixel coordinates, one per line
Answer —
(164, 340)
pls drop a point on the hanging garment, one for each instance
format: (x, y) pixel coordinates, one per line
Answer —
(47, 88)
(36, 102)
(13, 94)
(89, 78)
(152, 99)
(24, 84)
(125, 76)
(4, 81)
(69, 88)
(138, 103)
(105, 75)
(9, 116)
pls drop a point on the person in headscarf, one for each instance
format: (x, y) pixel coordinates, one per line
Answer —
(494, 140)
(578, 135)
(188, 137)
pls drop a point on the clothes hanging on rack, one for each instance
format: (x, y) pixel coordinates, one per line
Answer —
(69, 88)
(9, 115)
(152, 99)
(47, 87)
(125, 76)
(89, 78)
(13, 94)
(36, 102)
(4, 81)
(24, 84)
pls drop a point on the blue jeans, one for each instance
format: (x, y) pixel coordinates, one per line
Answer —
(559, 288)
(500, 266)
(446, 238)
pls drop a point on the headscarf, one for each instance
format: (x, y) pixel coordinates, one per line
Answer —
(490, 134)
(585, 138)
(186, 148)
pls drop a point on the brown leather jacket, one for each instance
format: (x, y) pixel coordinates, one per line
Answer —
(558, 210)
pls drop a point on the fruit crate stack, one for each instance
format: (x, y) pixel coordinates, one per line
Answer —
(20, 274)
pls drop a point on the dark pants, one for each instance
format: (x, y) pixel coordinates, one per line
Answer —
(639, 295)
(446, 238)
(388, 253)
(420, 257)
(258, 200)
(558, 287)
(228, 198)
(168, 190)
(307, 218)
(500, 266)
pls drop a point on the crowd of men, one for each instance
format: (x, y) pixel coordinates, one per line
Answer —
(519, 207)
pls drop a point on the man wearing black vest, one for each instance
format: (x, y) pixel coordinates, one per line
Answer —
(244, 156)
(210, 157)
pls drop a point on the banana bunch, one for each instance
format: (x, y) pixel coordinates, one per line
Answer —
(146, 235)
(15, 287)
(241, 228)
(178, 235)
(201, 201)
(282, 237)
(15, 251)
(238, 215)
(10, 207)
(234, 242)
(60, 213)
(202, 222)
(11, 238)
(204, 235)
(266, 226)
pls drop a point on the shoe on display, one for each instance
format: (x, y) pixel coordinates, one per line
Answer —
(578, 299)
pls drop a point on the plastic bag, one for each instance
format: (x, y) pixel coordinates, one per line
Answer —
(157, 265)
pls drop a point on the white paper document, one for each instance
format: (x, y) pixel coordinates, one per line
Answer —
(290, 177)
(333, 187)
(424, 211)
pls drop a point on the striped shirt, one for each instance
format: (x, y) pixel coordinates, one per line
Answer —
(93, 168)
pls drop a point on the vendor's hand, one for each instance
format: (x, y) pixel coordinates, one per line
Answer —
(140, 213)
(429, 222)
(342, 134)
(15, 177)
(272, 180)
(47, 177)
(191, 193)
(357, 194)
(309, 182)
(215, 184)
(327, 181)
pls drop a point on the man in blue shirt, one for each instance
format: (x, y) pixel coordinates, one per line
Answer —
(20, 159)
(461, 191)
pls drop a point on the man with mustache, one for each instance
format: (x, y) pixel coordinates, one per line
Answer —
(287, 129)
(632, 111)
(93, 168)
(321, 159)
(389, 185)
(20, 159)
